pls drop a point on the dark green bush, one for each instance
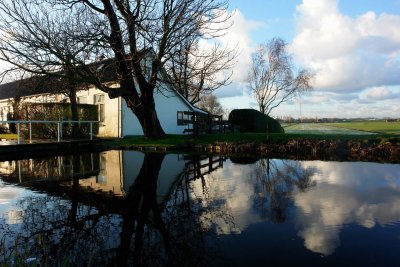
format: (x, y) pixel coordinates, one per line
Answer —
(253, 121)
(56, 112)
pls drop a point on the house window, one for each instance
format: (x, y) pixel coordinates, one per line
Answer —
(182, 118)
(99, 101)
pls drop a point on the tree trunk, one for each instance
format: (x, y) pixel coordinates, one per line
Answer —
(139, 201)
(147, 115)
(75, 115)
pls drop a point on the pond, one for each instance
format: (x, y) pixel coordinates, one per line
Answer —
(128, 208)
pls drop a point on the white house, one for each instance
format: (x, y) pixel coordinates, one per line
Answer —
(115, 118)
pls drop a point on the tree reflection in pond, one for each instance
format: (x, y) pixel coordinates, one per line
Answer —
(193, 210)
(274, 182)
(54, 230)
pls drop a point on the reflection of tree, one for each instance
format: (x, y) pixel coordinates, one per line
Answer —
(193, 215)
(274, 185)
(179, 232)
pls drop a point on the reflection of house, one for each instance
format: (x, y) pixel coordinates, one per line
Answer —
(115, 118)
(110, 172)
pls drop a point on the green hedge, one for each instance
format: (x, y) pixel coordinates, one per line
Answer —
(253, 121)
(56, 112)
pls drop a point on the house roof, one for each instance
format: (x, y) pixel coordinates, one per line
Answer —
(51, 84)
(20, 88)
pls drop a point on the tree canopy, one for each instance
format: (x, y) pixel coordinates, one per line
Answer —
(139, 36)
(273, 78)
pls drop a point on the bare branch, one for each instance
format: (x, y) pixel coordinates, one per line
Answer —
(272, 78)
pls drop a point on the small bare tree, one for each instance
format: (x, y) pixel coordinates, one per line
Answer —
(210, 103)
(272, 77)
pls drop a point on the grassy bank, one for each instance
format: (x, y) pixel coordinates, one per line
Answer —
(179, 140)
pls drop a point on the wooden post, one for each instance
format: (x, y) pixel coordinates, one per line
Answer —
(30, 132)
(58, 131)
(19, 133)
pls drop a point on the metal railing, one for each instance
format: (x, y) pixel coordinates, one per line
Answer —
(59, 127)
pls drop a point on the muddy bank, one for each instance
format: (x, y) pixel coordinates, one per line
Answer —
(312, 150)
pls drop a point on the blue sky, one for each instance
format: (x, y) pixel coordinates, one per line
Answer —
(353, 46)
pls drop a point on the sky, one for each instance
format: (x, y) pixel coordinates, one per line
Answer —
(352, 46)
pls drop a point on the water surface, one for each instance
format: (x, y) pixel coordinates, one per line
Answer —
(131, 208)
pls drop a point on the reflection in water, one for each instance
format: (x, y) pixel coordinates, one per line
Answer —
(350, 194)
(151, 209)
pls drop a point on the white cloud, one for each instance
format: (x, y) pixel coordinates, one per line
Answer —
(379, 93)
(238, 36)
(348, 54)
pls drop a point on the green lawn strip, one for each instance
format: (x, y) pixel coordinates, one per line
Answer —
(321, 128)
(182, 140)
(370, 126)
(9, 136)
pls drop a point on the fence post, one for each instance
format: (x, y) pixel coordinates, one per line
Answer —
(19, 133)
(58, 131)
(91, 131)
(30, 131)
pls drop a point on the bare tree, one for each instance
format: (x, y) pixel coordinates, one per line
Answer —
(140, 37)
(211, 104)
(48, 48)
(272, 77)
(195, 71)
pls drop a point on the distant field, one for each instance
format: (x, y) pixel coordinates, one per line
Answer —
(370, 126)
(321, 128)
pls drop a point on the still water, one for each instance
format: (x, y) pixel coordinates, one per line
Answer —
(127, 208)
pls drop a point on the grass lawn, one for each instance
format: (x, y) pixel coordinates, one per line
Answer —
(8, 136)
(321, 129)
(180, 140)
(370, 126)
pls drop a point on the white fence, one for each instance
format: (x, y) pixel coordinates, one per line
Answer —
(59, 127)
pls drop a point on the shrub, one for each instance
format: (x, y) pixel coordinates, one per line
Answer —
(251, 120)
(56, 112)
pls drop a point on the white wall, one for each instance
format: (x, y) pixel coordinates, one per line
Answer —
(167, 104)
(111, 125)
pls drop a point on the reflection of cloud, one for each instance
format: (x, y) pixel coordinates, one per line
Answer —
(7, 194)
(230, 185)
(14, 216)
(346, 193)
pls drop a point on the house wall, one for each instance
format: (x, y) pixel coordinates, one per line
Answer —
(168, 103)
(110, 126)
(119, 120)
(110, 176)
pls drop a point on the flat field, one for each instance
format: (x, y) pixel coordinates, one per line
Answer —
(370, 126)
(352, 128)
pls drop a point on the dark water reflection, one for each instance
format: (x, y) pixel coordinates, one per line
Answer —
(124, 208)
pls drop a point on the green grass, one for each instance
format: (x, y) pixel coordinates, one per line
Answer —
(322, 129)
(180, 140)
(371, 126)
(8, 136)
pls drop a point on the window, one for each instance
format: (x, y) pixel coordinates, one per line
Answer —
(99, 101)
(182, 118)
